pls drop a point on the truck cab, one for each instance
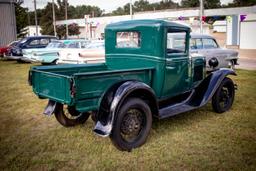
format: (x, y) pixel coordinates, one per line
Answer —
(147, 74)
(148, 43)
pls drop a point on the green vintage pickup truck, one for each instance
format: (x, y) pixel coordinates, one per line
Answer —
(144, 76)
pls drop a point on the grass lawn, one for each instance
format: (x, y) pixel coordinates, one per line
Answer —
(197, 140)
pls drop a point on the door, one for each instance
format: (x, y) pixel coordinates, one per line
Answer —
(248, 35)
(177, 64)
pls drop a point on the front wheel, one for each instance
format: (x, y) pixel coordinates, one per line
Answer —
(68, 116)
(224, 96)
(132, 124)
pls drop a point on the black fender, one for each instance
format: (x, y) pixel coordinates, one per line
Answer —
(113, 99)
(204, 92)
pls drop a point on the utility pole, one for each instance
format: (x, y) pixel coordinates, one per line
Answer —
(54, 19)
(66, 17)
(131, 9)
(36, 18)
(201, 15)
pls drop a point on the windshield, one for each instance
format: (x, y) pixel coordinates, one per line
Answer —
(56, 45)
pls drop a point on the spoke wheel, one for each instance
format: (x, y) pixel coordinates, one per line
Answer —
(132, 124)
(69, 116)
(224, 96)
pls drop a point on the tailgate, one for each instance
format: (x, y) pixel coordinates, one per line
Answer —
(51, 85)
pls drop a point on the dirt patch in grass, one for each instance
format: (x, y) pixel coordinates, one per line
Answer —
(196, 140)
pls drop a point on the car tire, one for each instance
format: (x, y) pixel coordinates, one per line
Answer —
(68, 116)
(134, 118)
(224, 96)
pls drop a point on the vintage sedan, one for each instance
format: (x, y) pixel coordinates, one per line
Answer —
(94, 52)
(48, 55)
(216, 57)
(30, 42)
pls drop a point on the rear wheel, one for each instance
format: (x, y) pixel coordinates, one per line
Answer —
(68, 116)
(224, 96)
(132, 124)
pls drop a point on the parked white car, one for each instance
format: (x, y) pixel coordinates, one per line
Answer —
(92, 53)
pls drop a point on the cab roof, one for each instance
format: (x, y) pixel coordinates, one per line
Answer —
(144, 23)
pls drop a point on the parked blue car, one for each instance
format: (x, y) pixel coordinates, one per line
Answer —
(28, 43)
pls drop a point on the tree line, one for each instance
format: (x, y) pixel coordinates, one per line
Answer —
(24, 17)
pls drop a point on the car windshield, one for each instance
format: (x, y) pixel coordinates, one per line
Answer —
(56, 45)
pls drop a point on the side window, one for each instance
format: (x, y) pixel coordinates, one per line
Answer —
(209, 44)
(176, 42)
(193, 44)
(44, 41)
(130, 39)
(199, 44)
(34, 42)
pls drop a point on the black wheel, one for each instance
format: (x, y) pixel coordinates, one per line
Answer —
(132, 124)
(224, 96)
(69, 116)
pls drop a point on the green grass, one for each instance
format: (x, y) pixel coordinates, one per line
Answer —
(196, 140)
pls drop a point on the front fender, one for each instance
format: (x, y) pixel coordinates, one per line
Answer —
(205, 91)
(104, 128)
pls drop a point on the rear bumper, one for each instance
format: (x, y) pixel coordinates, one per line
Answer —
(13, 57)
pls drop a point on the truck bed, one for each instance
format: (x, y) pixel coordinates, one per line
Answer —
(87, 82)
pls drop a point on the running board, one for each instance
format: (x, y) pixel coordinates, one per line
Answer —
(175, 110)
(178, 108)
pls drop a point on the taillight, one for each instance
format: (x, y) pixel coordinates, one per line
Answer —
(72, 88)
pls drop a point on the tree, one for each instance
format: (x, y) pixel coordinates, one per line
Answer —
(73, 29)
(190, 3)
(21, 18)
(210, 4)
(46, 20)
(239, 3)
(144, 5)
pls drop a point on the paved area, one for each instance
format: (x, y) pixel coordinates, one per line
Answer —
(247, 57)
(247, 63)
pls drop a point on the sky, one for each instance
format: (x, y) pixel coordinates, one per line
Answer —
(107, 5)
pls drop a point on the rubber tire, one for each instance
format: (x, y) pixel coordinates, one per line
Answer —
(115, 135)
(215, 99)
(65, 121)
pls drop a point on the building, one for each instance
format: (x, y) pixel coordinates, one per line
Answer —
(31, 31)
(220, 26)
(8, 22)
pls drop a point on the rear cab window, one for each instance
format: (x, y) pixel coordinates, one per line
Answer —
(131, 39)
